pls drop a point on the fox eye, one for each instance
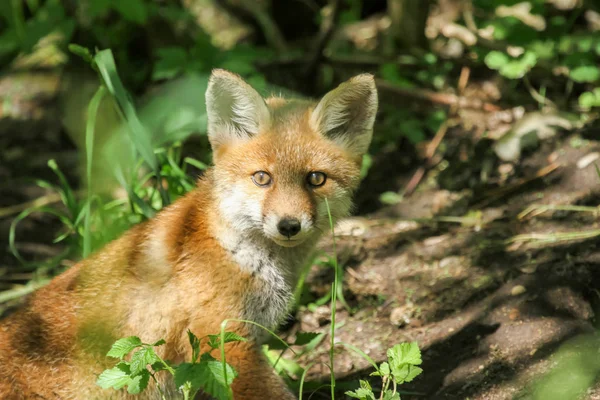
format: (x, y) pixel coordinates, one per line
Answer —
(316, 179)
(261, 178)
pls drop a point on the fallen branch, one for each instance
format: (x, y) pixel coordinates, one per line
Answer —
(447, 99)
(537, 209)
(546, 238)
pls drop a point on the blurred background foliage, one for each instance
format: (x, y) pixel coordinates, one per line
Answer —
(138, 69)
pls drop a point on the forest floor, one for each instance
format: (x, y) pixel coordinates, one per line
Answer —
(489, 294)
(489, 298)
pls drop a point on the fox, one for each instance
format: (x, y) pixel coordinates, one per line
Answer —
(232, 248)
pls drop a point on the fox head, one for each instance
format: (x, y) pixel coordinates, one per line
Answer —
(277, 160)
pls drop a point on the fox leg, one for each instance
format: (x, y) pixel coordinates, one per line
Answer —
(256, 379)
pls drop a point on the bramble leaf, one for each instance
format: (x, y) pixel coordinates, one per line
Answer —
(142, 358)
(206, 375)
(390, 395)
(384, 370)
(405, 353)
(364, 392)
(195, 343)
(214, 341)
(115, 378)
(403, 360)
(123, 346)
(138, 383)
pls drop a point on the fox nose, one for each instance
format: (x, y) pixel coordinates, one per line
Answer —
(289, 227)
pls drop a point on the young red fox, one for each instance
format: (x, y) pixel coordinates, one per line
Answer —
(231, 248)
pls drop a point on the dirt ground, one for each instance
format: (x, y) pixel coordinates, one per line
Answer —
(490, 297)
(488, 305)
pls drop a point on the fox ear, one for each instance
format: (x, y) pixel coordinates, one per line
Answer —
(234, 109)
(347, 113)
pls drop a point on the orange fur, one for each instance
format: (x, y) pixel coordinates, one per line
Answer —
(192, 266)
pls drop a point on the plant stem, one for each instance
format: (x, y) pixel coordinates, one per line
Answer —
(334, 290)
(162, 395)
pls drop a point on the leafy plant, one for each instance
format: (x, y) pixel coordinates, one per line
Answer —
(203, 372)
(401, 367)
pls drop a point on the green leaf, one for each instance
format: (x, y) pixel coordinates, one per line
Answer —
(403, 359)
(303, 338)
(518, 68)
(97, 8)
(123, 346)
(159, 342)
(391, 73)
(496, 60)
(405, 353)
(384, 370)
(138, 383)
(390, 395)
(588, 100)
(115, 378)
(171, 62)
(365, 392)
(206, 375)
(182, 123)
(390, 198)
(142, 358)
(406, 373)
(214, 341)
(132, 10)
(195, 343)
(585, 73)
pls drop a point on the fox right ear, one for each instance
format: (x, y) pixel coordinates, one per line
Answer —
(347, 113)
(234, 109)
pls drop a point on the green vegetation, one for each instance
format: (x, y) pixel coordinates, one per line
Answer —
(531, 55)
(401, 367)
(203, 372)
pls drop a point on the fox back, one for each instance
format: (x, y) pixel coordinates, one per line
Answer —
(230, 249)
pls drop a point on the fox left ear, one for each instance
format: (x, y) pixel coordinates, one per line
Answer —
(234, 109)
(347, 113)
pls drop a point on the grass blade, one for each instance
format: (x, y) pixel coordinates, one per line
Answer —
(138, 133)
(89, 149)
(67, 193)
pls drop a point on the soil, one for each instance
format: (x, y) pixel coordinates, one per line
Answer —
(489, 306)
(489, 313)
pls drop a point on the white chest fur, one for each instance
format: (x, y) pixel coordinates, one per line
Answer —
(274, 271)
